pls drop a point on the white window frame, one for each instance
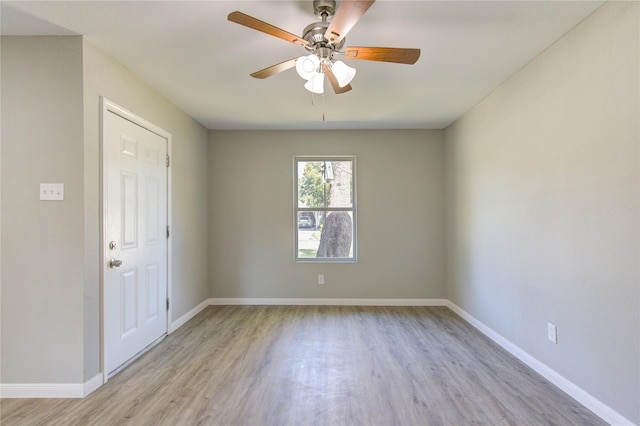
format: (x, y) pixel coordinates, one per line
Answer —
(352, 209)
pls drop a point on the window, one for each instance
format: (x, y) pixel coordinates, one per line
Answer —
(325, 209)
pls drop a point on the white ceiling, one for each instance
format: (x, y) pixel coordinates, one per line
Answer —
(190, 53)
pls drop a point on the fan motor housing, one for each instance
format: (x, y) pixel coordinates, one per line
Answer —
(324, 8)
(314, 34)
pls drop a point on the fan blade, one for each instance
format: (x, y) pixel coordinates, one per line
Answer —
(256, 24)
(275, 69)
(334, 81)
(383, 54)
(347, 15)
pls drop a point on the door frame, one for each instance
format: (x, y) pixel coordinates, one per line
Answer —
(107, 106)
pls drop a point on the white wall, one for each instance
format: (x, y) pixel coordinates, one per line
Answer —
(400, 215)
(543, 204)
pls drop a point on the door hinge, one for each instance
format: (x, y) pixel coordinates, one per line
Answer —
(167, 303)
(168, 231)
(168, 161)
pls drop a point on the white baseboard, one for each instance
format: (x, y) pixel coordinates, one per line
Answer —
(186, 317)
(92, 384)
(42, 390)
(328, 302)
(50, 390)
(602, 410)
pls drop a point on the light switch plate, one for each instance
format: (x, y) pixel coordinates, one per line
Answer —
(52, 191)
(552, 332)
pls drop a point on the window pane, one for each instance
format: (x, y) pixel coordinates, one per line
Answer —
(329, 237)
(313, 188)
(339, 174)
(308, 237)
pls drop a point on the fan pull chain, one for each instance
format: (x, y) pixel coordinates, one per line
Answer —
(323, 106)
(313, 103)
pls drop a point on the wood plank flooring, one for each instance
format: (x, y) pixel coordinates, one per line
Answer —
(317, 365)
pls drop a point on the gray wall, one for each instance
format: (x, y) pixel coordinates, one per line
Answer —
(400, 215)
(51, 265)
(543, 201)
(189, 172)
(42, 242)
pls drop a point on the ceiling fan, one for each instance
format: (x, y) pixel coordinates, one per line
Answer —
(325, 41)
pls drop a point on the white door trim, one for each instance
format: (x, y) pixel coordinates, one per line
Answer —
(105, 107)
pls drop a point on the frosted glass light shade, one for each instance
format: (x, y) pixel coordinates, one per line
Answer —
(343, 72)
(316, 83)
(306, 66)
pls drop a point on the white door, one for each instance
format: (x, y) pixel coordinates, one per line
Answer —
(135, 261)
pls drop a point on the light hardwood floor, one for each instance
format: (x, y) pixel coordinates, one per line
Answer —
(317, 365)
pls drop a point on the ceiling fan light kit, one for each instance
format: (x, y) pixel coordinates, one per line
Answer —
(307, 66)
(343, 72)
(326, 39)
(315, 83)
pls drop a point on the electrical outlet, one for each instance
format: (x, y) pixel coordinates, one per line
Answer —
(552, 333)
(320, 279)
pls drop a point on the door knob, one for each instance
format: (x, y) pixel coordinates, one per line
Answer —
(114, 263)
